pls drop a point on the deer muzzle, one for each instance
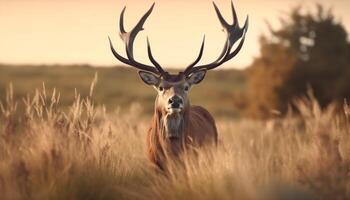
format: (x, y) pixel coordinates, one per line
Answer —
(175, 104)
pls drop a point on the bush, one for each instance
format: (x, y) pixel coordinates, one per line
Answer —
(309, 50)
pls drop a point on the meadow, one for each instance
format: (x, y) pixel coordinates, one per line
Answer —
(81, 151)
(118, 87)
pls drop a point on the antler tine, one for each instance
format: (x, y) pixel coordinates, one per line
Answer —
(221, 18)
(121, 22)
(235, 52)
(229, 44)
(129, 38)
(189, 68)
(131, 63)
(234, 33)
(234, 14)
(151, 58)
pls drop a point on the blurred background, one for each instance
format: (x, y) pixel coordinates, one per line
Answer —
(292, 47)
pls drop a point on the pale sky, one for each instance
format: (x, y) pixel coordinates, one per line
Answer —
(75, 31)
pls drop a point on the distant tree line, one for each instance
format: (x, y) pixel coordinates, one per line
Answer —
(309, 50)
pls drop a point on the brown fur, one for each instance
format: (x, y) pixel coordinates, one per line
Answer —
(198, 130)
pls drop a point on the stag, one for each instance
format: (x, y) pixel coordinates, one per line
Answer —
(176, 125)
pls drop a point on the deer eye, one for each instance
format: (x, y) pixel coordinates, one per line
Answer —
(161, 88)
(186, 88)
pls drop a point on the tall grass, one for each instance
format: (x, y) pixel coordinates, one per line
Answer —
(85, 153)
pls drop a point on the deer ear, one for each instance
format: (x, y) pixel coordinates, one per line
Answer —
(196, 77)
(149, 78)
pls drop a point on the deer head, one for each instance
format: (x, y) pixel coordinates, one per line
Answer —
(172, 98)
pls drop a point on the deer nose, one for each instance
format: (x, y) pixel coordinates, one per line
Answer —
(175, 101)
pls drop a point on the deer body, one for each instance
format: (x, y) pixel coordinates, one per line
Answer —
(176, 125)
(199, 130)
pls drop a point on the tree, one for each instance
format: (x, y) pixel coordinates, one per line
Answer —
(309, 50)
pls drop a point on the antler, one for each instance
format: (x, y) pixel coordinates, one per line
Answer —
(129, 38)
(234, 33)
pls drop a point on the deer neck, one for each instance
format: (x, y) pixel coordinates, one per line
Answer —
(171, 124)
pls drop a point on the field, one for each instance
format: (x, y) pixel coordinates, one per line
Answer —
(81, 151)
(118, 87)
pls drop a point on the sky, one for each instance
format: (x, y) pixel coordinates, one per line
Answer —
(76, 31)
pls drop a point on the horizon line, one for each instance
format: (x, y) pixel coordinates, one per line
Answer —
(95, 66)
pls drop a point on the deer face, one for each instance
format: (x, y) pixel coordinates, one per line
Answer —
(172, 90)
